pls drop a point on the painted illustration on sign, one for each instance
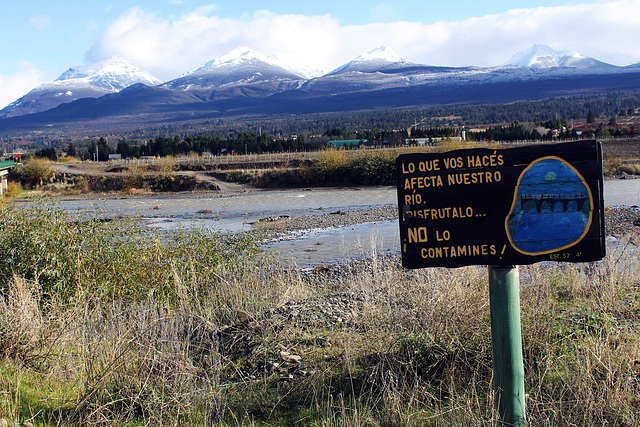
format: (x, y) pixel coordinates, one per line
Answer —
(552, 208)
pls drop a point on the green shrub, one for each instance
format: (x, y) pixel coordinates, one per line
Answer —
(74, 257)
(35, 172)
(376, 169)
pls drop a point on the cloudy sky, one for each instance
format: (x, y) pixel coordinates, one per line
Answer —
(41, 38)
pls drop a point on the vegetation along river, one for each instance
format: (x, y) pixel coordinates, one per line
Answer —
(320, 226)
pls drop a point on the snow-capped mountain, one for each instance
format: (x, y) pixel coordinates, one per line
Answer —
(542, 57)
(244, 68)
(89, 81)
(112, 74)
(377, 59)
(246, 82)
(377, 69)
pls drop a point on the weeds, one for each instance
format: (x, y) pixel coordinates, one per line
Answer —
(104, 324)
(35, 172)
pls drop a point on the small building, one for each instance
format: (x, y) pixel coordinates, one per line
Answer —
(115, 156)
(346, 143)
(4, 171)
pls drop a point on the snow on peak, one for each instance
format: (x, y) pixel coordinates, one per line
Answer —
(543, 56)
(380, 53)
(371, 61)
(115, 73)
(237, 57)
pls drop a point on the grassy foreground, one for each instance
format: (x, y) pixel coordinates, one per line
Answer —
(102, 323)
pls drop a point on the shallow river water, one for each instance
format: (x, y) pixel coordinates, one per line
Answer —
(304, 249)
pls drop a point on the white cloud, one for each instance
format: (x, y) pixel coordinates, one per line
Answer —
(169, 47)
(18, 84)
(382, 11)
(41, 23)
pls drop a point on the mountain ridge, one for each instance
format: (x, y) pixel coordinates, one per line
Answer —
(91, 81)
(245, 82)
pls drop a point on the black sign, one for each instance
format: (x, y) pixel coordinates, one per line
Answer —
(501, 207)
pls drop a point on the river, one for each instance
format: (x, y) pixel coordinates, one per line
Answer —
(303, 249)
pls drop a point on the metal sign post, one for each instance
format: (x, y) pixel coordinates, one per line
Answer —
(506, 343)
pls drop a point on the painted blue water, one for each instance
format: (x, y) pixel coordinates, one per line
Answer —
(552, 207)
(538, 232)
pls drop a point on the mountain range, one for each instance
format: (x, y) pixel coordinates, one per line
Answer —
(245, 82)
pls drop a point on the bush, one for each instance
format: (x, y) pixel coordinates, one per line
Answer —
(35, 172)
(80, 257)
(376, 169)
(21, 320)
(13, 190)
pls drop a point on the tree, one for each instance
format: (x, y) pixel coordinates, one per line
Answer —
(71, 150)
(591, 117)
(93, 150)
(103, 150)
(47, 153)
(603, 133)
(535, 134)
(123, 149)
(35, 172)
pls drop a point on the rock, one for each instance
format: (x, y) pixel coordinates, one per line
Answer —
(292, 358)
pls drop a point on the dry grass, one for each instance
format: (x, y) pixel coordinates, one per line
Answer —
(631, 169)
(380, 346)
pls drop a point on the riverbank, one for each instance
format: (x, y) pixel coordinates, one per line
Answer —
(232, 174)
(200, 328)
(620, 221)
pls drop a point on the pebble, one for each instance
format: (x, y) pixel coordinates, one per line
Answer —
(292, 358)
(344, 309)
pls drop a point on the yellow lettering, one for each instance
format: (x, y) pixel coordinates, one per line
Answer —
(429, 165)
(408, 168)
(455, 212)
(485, 161)
(458, 251)
(468, 178)
(417, 234)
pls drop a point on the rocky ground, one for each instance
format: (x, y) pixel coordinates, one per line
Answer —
(619, 221)
(623, 222)
(329, 220)
(343, 308)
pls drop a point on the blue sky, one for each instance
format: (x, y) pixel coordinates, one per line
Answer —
(41, 39)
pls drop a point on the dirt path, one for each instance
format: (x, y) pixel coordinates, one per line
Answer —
(225, 188)
(104, 169)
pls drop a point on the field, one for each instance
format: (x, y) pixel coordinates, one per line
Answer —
(105, 324)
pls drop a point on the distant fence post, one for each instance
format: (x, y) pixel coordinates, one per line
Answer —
(506, 343)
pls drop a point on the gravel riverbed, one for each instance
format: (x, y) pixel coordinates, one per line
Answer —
(622, 223)
(619, 221)
(340, 305)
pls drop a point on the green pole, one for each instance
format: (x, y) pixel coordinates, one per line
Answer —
(506, 343)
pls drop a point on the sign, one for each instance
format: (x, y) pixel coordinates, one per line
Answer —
(501, 207)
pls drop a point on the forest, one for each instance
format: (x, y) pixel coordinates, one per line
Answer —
(599, 116)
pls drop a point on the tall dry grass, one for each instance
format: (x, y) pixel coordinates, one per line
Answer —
(193, 329)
